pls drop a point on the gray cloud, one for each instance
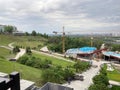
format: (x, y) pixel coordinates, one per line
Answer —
(48, 15)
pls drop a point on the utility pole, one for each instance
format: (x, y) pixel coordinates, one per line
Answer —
(91, 41)
(63, 41)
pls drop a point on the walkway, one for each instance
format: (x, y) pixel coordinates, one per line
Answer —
(19, 54)
(114, 83)
(88, 75)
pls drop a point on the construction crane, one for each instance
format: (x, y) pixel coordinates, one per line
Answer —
(63, 39)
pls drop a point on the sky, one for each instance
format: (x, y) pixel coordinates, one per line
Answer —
(46, 16)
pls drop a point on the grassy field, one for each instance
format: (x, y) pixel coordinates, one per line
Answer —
(113, 75)
(55, 61)
(31, 41)
(5, 53)
(23, 41)
(115, 88)
(26, 72)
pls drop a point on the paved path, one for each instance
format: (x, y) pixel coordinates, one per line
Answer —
(6, 47)
(19, 54)
(11, 45)
(88, 75)
(114, 82)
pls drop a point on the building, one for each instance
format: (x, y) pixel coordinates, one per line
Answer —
(2, 28)
(18, 33)
(79, 52)
(53, 86)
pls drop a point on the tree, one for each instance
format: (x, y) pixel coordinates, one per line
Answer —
(81, 66)
(27, 34)
(9, 29)
(98, 79)
(33, 33)
(28, 51)
(16, 49)
(23, 59)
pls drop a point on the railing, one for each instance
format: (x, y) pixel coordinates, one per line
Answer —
(12, 83)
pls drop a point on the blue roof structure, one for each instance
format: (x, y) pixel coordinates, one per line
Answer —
(111, 54)
(81, 50)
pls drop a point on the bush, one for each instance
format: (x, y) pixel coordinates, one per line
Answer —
(16, 49)
(81, 66)
(23, 59)
(28, 51)
(98, 79)
(98, 87)
(35, 62)
(56, 74)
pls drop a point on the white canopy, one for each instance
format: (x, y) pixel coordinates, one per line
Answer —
(44, 49)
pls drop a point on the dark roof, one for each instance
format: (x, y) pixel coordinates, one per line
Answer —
(53, 86)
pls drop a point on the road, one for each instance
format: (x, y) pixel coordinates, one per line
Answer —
(88, 75)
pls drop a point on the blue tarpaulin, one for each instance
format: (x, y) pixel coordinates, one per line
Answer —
(111, 54)
(81, 50)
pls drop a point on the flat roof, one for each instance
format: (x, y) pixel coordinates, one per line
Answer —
(111, 54)
(25, 84)
(3, 74)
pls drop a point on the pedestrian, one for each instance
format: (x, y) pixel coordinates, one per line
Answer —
(69, 80)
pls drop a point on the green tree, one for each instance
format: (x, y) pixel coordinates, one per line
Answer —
(33, 33)
(28, 51)
(27, 34)
(16, 49)
(98, 79)
(81, 66)
(9, 29)
(23, 59)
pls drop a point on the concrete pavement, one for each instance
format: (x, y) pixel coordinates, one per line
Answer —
(88, 75)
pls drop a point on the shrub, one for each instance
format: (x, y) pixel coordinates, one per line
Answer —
(98, 79)
(98, 87)
(16, 49)
(81, 66)
(23, 59)
(28, 51)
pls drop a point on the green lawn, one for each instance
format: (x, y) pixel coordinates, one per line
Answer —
(5, 53)
(26, 72)
(24, 41)
(6, 39)
(55, 61)
(115, 88)
(113, 75)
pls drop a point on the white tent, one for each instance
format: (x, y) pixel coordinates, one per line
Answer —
(44, 49)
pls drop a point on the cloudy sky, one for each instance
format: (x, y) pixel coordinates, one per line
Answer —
(46, 16)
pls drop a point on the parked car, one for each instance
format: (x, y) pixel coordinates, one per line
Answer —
(12, 59)
(79, 77)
